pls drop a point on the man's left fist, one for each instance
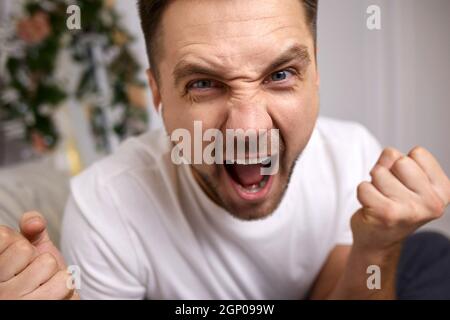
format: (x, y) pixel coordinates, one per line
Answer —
(405, 193)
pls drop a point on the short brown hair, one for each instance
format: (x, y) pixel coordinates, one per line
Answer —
(151, 12)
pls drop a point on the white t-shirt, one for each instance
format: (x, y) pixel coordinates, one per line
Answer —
(140, 227)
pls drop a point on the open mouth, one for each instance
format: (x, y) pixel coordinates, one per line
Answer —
(247, 177)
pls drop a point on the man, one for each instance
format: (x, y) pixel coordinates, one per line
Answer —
(139, 226)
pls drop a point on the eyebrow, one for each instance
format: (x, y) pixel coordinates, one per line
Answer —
(298, 52)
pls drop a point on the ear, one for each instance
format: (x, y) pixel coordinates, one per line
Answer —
(317, 78)
(317, 68)
(154, 87)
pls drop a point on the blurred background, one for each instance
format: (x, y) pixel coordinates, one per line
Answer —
(68, 97)
(395, 81)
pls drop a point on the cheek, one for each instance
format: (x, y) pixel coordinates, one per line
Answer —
(295, 114)
(179, 113)
(194, 118)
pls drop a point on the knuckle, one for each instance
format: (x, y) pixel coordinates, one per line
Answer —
(362, 186)
(390, 152)
(355, 220)
(400, 164)
(436, 205)
(47, 260)
(417, 152)
(389, 221)
(391, 215)
(5, 234)
(413, 210)
(362, 189)
(65, 279)
(376, 170)
(411, 207)
(24, 247)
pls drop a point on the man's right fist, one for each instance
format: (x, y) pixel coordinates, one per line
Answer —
(31, 267)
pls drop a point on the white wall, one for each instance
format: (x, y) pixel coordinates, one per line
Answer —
(396, 80)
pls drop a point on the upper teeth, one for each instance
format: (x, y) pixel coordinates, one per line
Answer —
(264, 160)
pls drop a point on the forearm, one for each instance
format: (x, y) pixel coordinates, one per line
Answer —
(353, 283)
(405, 192)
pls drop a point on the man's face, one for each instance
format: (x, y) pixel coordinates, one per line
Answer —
(234, 64)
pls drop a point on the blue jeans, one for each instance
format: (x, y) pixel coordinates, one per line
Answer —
(424, 268)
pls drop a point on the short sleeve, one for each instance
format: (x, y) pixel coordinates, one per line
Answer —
(95, 239)
(365, 153)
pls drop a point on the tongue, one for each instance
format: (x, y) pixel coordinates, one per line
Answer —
(247, 175)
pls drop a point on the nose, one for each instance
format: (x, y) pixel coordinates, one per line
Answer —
(248, 113)
(249, 121)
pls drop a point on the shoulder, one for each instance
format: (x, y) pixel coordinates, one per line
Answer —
(344, 148)
(145, 151)
(139, 166)
(135, 154)
(347, 136)
(343, 133)
(338, 157)
(110, 207)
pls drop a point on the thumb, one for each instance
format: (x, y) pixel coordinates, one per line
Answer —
(33, 227)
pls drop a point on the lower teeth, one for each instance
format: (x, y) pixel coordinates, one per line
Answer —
(256, 187)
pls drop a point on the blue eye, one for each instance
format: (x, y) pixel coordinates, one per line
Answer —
(280, 75)
(202, 84)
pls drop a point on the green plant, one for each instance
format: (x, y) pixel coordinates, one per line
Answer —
(30, 91)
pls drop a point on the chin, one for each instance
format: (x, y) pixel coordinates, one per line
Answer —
(254, 213)
(248, 210)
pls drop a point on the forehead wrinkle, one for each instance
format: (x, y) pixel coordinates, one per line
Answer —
(220, 56)
(243, 36)
(238, 33)
(219, 48)
(225, 21)
(213, 63)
